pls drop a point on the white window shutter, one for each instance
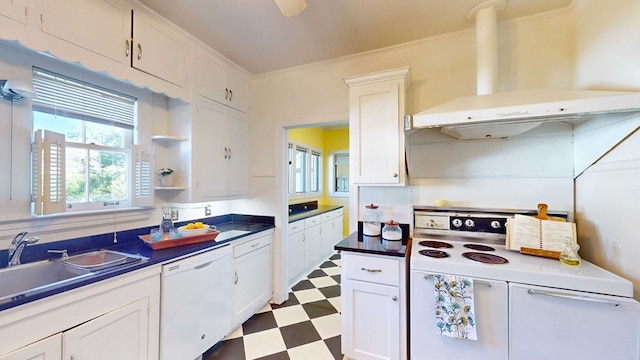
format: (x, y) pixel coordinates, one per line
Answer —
(143, 176)
(49, 173)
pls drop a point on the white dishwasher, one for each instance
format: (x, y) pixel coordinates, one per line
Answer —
(196, 303)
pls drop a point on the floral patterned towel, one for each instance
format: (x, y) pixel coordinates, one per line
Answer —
(455, 316)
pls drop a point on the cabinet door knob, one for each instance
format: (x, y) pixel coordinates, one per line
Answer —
(394, 298)
(126, 43)
(226, 93)
(230, 95)
(139, 51)
(229, 153)
(236, 280)
(395, 175)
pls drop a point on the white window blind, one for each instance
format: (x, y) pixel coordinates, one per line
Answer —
(60, 95)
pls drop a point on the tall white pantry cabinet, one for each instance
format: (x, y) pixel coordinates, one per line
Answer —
(376, 133)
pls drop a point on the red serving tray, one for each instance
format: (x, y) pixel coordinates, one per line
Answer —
(168, 243)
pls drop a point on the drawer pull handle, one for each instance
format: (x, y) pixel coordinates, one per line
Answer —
(371, 270)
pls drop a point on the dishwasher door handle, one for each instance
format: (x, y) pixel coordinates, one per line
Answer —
(202, 266)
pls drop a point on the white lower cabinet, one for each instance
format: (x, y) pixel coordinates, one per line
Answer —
(490, 305)
(252, 277)
(548, 323)
(295, 249)
(45, 349)
(119, 334)
(310, 241)
(112, 319)
(373, 307)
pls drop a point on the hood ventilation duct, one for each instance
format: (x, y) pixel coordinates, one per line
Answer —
(490, 114)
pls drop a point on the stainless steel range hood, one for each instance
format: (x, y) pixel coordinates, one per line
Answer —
(493, 115)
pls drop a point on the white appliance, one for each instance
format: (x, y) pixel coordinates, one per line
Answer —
(526, 307)
(196, 309)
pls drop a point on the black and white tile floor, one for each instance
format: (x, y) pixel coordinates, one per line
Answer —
(305, 327)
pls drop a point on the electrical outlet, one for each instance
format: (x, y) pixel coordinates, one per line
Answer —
(175, 214)
(207, 210)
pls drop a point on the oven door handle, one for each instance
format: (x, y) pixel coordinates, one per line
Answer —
(571, 296)
(475, 281)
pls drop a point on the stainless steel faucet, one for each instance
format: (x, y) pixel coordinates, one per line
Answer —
(17, 245)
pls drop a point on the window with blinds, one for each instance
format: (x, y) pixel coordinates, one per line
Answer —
(94, 160)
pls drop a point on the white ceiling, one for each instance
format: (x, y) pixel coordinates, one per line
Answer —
(255, 35)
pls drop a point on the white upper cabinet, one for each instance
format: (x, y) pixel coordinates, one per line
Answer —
(14, 10)
(220, 82)
(376, 131)
(102, 27)
(115, 30)
(219, 157)
(157, 49)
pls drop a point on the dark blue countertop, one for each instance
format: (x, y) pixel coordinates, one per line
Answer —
(321, 209)
(358, 243)
(129, 242)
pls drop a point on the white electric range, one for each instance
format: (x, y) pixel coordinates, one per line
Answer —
(526, 307)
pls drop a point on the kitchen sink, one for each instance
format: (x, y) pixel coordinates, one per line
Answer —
(99, 260)
(24, 279)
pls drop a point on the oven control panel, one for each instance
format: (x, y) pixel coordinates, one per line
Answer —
(435, 222)
(458, 222)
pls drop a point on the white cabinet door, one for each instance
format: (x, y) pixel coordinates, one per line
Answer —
(157, 49)
(237, 141)
(328, 235)
(376, 131)
(490, 304)
(14, 9)
(100, 26)
(212, 79)
(337, 229)
(119, 334)
(238, 85)
(370, 320)
(45, 349)
(546, 323)
(252, 283)
(209, 156)
(295, 248)
(313, 246)
(220, 82)
(220, 157)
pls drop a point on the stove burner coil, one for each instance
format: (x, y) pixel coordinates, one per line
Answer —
(479, 247)
(435, 244)
(485, 258)
(434, 253)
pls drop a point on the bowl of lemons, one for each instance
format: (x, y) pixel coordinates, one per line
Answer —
(192, 229)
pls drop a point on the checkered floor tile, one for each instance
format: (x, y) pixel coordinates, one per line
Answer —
(305, 327)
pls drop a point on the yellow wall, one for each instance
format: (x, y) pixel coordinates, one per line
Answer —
(327, 141)
(335, 140)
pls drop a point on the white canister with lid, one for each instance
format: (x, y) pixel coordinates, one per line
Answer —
(371, 220)
(392, 236)
(392, 231)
